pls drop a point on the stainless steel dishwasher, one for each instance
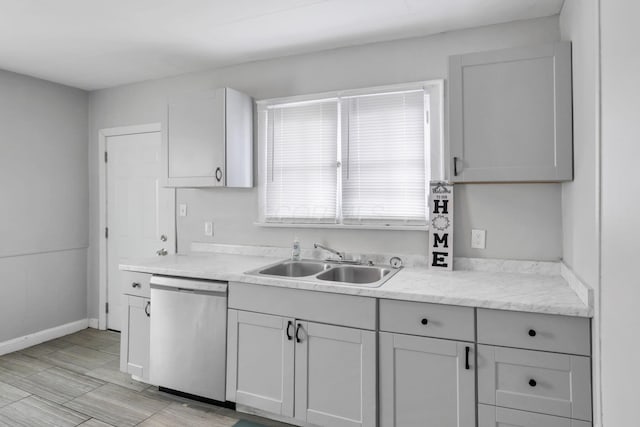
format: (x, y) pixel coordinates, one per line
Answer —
(188, 336)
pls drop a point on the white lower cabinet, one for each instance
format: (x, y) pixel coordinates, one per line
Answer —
(426, 382)
(260, 351)
(134, 350)
(335, 375)
(329, 372)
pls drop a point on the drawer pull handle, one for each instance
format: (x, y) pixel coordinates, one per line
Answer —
(289, 325)
(466, 361)
(532, 383)
(424, 321)
(135, 285)
(532, 333)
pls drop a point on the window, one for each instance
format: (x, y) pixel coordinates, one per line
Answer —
(355, 158)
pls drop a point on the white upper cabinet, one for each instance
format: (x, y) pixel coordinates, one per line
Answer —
(510, 115)
(209, 140)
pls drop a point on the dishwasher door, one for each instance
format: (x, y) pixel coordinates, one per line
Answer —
(188, 336)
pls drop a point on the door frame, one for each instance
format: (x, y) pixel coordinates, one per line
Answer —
(103, 134)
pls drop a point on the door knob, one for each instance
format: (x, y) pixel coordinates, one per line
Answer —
(163, 238)
(162, 252)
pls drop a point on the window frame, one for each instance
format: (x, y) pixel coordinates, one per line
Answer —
(434, 142)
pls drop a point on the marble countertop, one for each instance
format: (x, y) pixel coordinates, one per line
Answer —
(496, 290)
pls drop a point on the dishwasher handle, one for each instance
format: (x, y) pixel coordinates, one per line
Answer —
(184, 284)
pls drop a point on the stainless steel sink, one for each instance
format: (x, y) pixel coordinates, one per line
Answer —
(329, 271)
(295, 268)
(354, 274)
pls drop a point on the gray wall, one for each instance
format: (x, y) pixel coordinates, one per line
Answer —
(580, 198)
(44, 215)
(620, 211)
(522, 221)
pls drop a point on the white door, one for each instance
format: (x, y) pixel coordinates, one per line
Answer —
(426, 382)
(140, 212)
(335, 375)
(260, 356)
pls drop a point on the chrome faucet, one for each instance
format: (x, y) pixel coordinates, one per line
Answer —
(328, 249)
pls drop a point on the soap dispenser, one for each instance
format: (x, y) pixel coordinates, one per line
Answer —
(295, 249)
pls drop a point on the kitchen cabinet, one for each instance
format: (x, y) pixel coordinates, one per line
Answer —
(536, 365)
(511, 115)
(135, 334)
(208, 140)
(313, 371)
(425, 380)
(335, 375)
(260, 352)
(134, 348)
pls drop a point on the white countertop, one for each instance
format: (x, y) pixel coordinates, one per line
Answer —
(497, 290)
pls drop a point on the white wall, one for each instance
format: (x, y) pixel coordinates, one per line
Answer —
(522, 221)
(620, 285)
(44, 215)
(580, 198)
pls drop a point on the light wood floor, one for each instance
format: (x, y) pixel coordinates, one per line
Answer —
(75, 380)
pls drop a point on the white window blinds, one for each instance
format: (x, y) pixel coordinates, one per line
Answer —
(384, 158)
(301, 162)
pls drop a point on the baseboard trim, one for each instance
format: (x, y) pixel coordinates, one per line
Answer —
(25, 341)
(93, 323)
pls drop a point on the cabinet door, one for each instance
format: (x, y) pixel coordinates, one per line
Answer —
(510, 115)
(260, 351)
(135, 338)
(195, 140)
(335, 374)
(425, 382)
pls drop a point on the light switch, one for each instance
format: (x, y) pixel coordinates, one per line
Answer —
(478, 239)
(182, 209)
(208, 229)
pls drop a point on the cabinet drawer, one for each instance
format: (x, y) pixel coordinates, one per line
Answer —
(136, 284)
(491, 416)
(548, 383)
(430, 320)
(534, 331)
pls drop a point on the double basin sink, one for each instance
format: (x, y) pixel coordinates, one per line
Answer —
(329, 271)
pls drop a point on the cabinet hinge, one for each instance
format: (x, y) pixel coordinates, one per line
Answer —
(106, 307)
(106, 232)
(106, 157)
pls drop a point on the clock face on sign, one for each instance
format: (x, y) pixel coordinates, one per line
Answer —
(440, 222)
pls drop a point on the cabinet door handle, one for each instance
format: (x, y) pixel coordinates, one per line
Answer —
(147, 309)
(298, 339)
(135, 285)
(289, 324)
(424, 321)
(532, 332)
(218, 174)
(455, 166)
(466, 359)
(532, 382)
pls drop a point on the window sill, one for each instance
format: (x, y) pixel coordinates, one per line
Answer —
(345, 226)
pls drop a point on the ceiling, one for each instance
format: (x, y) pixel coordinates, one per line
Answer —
(93, 44)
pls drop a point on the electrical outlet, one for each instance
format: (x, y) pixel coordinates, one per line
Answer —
(208, 229)
(478, 239)
(182, 209)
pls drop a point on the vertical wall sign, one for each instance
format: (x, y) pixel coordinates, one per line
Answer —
(441, 226)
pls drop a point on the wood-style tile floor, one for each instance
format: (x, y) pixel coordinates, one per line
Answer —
(75, 380)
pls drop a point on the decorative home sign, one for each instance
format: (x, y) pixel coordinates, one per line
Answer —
(441, 226)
